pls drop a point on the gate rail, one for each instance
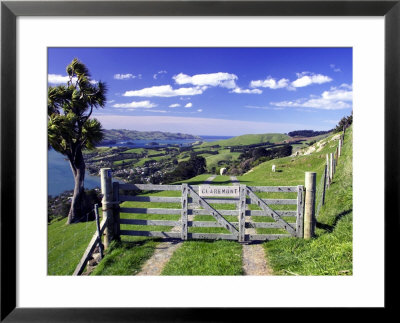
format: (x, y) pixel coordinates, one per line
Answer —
(190, 203)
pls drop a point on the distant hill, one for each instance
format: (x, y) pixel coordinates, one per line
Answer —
(115, 135)
(308, 133)
(249, 140)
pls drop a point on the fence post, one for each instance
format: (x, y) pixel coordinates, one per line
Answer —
(106, 190)
(323, 189)
(96, 212)
(242, 213)
(340, 146)
(117, 225)
(184, 211)
(336, 157)
(331, 168)
(309, 214)
(328, 171)
(300, 211)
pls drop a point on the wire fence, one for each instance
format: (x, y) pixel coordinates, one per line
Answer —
(326, 177)
(67, 243)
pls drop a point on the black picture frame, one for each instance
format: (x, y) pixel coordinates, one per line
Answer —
(10, 10)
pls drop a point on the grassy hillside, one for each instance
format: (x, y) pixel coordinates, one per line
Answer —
(66, 245)
(124, 134)
(248, 140)
(330, 252)
(224, 155)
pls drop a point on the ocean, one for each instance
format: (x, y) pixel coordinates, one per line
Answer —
(59, 174)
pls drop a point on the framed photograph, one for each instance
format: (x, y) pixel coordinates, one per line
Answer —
(297, 63)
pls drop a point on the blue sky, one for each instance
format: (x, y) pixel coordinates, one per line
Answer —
(216, 91)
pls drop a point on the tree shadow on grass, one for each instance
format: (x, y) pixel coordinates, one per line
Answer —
(132, 244)
(330, 228)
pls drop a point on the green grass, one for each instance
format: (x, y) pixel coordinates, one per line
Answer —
(206, 258)
(126, 257)
(134, 151)
(66, 245)
(222, 180)
(124, 161)
(198, 180)
(330, 251)
(143, 160)
(248, 140)
(224, 155)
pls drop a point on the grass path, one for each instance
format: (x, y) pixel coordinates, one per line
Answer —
(254, 260)
(162, 254)
(253, 254)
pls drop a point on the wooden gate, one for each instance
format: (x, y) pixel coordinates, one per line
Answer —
(236, 215)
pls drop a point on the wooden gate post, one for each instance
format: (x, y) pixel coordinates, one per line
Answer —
(309, 214)
(106, 190)
(242, 213)
(300, 212)
(184, 211)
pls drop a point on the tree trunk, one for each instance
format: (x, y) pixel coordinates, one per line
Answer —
(77, 212)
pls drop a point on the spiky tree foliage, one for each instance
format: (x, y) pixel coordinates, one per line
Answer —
(70, 128)
(344, 123)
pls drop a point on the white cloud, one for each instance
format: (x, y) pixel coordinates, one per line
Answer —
(189, 105)
(158, 111)
(124, 76)
(270, 83)
(63, 79)
(334, 99)
(334, 68)
(338, 95)
(238, 90)
(135, 104)
(175, 105)
(155, 76)
(346, 86)
(306, 78)
(225, 80)
(199, 110)
(165, 91)
(59, 79)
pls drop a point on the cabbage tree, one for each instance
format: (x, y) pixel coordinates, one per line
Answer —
(71, 128)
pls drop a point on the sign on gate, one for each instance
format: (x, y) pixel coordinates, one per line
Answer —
(219, 191)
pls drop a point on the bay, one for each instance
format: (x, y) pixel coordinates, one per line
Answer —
(146, 143)
(59, 175)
